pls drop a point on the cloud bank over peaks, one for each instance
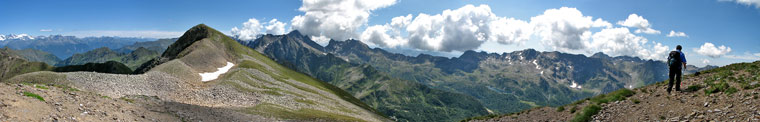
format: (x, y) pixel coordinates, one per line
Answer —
(335, 19)
(461, 29)
(709, 49)
(252, 28)
(467, 28)
(639, 22)
(562, 29)
(464, 29)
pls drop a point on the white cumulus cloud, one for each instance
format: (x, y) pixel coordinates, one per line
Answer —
(639, 22)
(335, 19)
(565, 29)
(378, 35)
(705, 61)
(709, 49)
(755, 3)
(677, 34)
(275, 27)
(510, 31)
(620, 41)
(461, 29)
(387, 35)
(252, 28)
(249, 31)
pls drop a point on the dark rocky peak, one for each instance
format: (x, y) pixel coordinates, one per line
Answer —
(527, 54)
(333, 43)
(295, 33)
(421, 58)
(264, 40)
(600, 55)
(295, 37)
(350, 44)
(467, 62)
(192, 35)
(530, 53)
(470, 54)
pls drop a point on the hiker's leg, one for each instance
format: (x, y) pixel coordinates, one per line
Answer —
(671, 75)
(678, 80)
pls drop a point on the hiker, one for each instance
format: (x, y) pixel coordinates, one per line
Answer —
(676, 62)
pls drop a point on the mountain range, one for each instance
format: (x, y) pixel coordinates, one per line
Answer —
(402, 100)
(131, 59)
(132, 55)
(16, 37)
(185, 83)
(65, 46)
(501, 83)
(382, 83)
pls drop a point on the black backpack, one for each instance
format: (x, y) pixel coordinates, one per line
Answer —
(674, 60)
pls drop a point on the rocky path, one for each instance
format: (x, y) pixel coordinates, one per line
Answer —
(654, 104)
(729, 93)
(65, 104)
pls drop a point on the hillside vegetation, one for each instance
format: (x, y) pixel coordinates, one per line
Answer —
(728, 93)
(12, 64)
(34, 55)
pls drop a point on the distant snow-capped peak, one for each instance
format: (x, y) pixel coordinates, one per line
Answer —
(16, 36)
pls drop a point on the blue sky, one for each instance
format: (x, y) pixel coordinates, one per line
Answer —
(732, 24)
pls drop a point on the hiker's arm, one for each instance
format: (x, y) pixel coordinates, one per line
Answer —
(684, 66)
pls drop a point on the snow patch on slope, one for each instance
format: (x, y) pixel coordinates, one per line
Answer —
(575, 85)
(208, 76)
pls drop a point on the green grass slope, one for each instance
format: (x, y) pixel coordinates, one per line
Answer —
(204, 49)
(35, 55)
(12, 65)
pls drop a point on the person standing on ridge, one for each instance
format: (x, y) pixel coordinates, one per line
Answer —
(676, 62)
